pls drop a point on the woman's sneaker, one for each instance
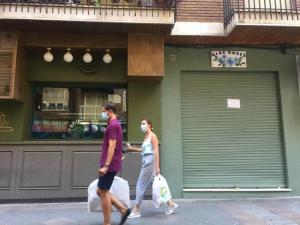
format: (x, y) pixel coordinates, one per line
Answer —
(134, 215)
(171, 209)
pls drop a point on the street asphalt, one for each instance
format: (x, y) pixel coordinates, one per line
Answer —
(273, 211)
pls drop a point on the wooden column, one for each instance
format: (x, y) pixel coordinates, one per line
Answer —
(63, 40)
(145, 55)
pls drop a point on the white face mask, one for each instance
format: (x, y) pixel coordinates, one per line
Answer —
(144, 127)
(104, 115)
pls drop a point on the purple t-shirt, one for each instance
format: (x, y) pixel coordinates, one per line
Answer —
(113, 131)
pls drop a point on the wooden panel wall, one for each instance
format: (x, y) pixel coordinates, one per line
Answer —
(145, 55)
(63, 40)
(19, 83)
(200, 11)
(26, 173)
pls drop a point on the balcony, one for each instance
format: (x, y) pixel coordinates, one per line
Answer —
(104, 11)
(284, 13)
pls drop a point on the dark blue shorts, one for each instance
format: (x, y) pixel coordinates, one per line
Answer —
(105, 182)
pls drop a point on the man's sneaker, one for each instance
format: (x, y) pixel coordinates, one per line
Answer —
(171, 209)
(134, 215)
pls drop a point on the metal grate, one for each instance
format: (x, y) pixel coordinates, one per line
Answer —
(260, 9)
(101, 7)
(226, 147)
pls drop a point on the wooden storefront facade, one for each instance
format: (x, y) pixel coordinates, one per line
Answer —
(161, 69)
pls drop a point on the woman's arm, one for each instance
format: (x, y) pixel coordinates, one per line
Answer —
(154, 141)
(133, 148)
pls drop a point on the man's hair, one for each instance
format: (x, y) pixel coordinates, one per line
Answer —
(110, 105)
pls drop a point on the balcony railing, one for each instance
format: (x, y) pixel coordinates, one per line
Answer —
(262, 11)
(91, 10)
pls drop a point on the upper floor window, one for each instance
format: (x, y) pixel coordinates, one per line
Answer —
(74, 113)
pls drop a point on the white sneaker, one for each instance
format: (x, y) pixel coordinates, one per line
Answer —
(171, 209)
(134, 215)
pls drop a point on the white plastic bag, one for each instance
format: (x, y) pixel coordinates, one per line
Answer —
(119, 188)
(93, 198)
(160, 191)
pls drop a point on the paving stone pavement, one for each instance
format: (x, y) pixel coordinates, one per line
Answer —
(274, 211)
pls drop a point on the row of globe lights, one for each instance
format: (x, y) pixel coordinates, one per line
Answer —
(68, 57)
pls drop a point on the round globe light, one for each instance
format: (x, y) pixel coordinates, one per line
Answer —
(68, 57)
(107, 57)
(87, 57)
(48, 57)
(95, 128)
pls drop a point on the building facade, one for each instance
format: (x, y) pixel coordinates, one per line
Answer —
(220, 84)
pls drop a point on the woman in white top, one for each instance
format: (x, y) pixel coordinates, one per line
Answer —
(150, 167)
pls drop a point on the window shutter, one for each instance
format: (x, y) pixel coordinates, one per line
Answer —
(8, 41)
(8, 53)
(232, 147)
(6, 59)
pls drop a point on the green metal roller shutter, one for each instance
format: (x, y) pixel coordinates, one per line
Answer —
(225, 147)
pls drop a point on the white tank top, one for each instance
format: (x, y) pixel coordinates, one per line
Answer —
(147, 147)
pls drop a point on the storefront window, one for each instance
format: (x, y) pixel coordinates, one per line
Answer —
(74, 113)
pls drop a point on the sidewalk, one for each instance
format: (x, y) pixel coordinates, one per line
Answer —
(276, 211)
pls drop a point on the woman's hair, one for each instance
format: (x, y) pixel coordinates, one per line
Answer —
(149, 122)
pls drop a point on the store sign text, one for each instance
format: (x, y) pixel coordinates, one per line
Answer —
(228, 59)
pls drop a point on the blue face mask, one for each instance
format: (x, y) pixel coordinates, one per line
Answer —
(104, 115)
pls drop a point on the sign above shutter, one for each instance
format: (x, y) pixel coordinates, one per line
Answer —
(228, 59)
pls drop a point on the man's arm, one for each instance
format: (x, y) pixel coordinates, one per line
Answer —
(110, 153)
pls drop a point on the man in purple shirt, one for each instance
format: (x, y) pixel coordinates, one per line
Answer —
(110, 164)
